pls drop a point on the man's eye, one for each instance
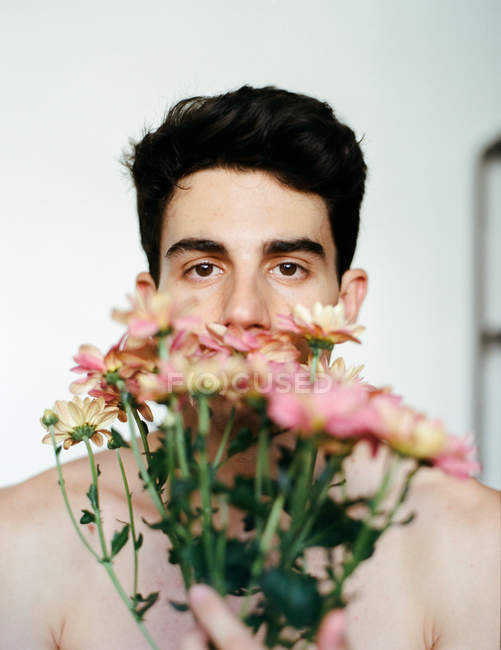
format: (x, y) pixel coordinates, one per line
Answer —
(202, 270)
(290, 269)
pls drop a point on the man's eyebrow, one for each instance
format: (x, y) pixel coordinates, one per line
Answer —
(272, 247)
(292, 245)
(195, 244)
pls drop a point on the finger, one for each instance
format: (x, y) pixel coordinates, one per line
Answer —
(332, 631)
(219, 622)
(194, 640)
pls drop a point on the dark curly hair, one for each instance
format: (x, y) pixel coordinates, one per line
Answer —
(294, 137)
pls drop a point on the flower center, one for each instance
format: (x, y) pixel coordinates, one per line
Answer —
(83, 431)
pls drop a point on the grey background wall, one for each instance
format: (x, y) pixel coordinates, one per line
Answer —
(420, 82)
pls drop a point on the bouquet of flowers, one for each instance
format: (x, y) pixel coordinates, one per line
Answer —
(203, 376)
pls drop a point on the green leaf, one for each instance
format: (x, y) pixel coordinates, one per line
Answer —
(182, 489)
(192, 555)
(87, 517)
(144, 427)
(254, 621)
(92, 496)
(188, 444)
(370, 544)
(249, 522)
(157, 467)
(164, 525)
(332, 526)
(117, 440)
(239, 557)
(181, 607)
(119, 540)
(242, 441)
(242, 496)
(286, 457)
(139, 542)
(59, 449)
(293, 594)
(145, 602)
(98, 470)
(238, 560)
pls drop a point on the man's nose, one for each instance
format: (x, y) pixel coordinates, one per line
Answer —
(245, 304)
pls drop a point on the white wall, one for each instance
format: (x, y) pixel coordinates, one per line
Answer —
(420, 81)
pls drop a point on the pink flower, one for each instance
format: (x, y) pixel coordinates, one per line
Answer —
(407, 431)
(275, 347)
(234, 337)
(95, 365)
(169, 379)
(458, 458)
(342, 411)
(119, 361)
(152, 312)
(112, 397)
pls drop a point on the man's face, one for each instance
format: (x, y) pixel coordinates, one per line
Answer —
(247, 248)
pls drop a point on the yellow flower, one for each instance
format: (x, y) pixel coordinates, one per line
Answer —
(79, 419)
(340, 372)
(337, 371)
(323, 325)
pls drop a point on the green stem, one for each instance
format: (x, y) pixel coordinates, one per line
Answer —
(65, 496)
(271, 524)
(131, 518)
(319, 493)
(105, 561)
(143, 435)
(302, 492)
(177, 532)
(203, 415)
(137, 455)
(163, 350)
(262, 471)
(205, 486)
(314, 363)
(171, 463)
(130, 606)
(221, 542)
(224, 439)
(96, 507)
(264, 546)
(181, 447)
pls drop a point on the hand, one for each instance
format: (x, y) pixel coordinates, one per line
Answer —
(218, 624)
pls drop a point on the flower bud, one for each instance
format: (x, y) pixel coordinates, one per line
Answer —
(48, 418)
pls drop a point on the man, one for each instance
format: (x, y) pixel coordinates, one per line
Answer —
(249, 203)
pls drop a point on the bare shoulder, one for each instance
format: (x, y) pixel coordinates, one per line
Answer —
(460, 541)
(41, 559)
(465, 510)
(34, 541)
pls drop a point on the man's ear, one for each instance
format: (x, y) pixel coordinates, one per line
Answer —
(144, 278)
(353, 291)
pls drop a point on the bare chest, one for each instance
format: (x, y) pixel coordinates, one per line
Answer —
(386, 608)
